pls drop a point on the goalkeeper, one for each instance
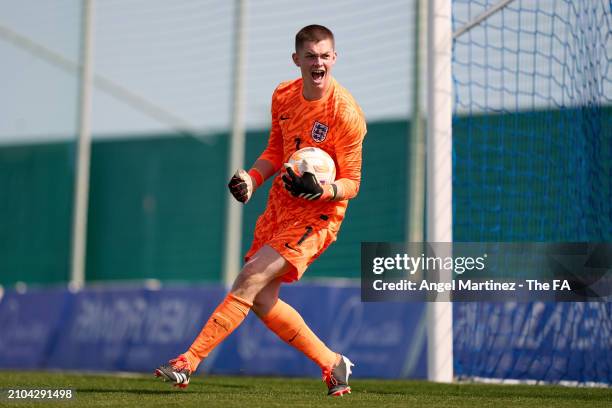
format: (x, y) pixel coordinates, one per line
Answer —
(293, 231)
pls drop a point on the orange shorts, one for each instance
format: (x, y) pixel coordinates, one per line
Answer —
(299, 242)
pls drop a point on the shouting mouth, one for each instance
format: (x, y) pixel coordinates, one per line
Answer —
(318, 75)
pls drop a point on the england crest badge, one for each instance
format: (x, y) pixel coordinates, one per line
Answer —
(319, 132)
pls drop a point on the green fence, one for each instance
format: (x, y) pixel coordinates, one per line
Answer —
(157, 208)
(157, 204)
(36, 187)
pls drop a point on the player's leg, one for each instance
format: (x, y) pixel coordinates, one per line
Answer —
(267, 298)
(266, 266)
(263, 267)
(289, 325)
(300, 245)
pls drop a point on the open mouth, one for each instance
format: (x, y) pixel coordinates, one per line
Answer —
(318, 75)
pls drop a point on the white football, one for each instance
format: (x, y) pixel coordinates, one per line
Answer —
(318, 159)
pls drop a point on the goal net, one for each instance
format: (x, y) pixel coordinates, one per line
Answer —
(532, 161)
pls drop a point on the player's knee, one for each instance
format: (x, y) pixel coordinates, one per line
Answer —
(263, 303)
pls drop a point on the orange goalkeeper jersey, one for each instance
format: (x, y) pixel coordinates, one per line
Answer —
(334, 123)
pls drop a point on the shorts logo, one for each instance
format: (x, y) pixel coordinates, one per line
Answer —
(319, 132)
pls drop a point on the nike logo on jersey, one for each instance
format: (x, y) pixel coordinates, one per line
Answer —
(284, 117)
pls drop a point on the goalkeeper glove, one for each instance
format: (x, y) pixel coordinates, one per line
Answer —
(241, 186)
(305, 186)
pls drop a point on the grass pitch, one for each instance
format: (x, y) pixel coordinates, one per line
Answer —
(254, 392)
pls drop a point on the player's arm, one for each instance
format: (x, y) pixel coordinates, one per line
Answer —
(243, 184)
(348, 157)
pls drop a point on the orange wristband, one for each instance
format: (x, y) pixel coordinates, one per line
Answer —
(329, 192)
(256, 175)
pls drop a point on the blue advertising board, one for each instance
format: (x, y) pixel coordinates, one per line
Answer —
(136, 329)
(127, 329)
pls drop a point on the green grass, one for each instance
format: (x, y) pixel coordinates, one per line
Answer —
(252, 392)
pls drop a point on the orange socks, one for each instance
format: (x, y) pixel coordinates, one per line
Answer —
(226, 317)
(282, 319)
(287, 323)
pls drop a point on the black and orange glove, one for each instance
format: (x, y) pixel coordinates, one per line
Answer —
(241, 186)
(306, 186)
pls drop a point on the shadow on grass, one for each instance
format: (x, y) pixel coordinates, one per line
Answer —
(191, 390)
(122, 391)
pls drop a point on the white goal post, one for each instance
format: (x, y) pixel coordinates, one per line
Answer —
(439, 178)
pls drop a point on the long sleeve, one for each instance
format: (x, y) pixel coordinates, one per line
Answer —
(274, 150)
(348, 154)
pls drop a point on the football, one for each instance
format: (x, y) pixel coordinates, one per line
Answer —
(322, 163)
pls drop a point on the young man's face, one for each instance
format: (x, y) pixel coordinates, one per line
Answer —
(315, 60)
